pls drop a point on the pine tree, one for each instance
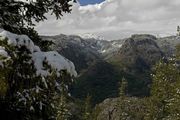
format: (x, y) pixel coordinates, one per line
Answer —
(19, 16)
(165, 95)
(22, 13)
(63, 112)
(27, 95)
(178, 52)
(123, 87)
(87, 108)
(121, 101)
(178, 31)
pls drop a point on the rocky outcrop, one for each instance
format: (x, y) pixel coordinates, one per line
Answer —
(81, 52)
(168, 44)
(118, 109)
(138, 52)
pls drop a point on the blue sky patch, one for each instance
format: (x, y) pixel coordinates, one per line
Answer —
(86, 2)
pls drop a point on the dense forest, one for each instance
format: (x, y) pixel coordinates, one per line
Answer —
(37, 83)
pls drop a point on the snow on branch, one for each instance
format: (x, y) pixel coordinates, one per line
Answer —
(52, 58)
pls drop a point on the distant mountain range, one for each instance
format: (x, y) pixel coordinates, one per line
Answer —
(90, 36)
(101, 63)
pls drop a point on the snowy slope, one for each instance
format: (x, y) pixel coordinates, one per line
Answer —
(90, 36)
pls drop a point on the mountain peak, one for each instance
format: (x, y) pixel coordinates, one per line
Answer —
(90, 36)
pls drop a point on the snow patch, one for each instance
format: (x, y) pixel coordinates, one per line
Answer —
(3, 52)
(116, 45)
(55, 60)
(90, 36)
(19, 40)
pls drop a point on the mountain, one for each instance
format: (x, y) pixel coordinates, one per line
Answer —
(90, 36)
(101, 64)
(168, 44)
(82, 52)
(138, 53)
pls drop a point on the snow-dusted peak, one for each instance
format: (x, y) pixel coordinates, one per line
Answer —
(90, 36)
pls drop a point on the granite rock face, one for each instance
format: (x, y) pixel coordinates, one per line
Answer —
(168, 44)
(110, 109)
(139, 52)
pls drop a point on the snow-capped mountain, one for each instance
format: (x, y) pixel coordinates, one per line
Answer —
(93, 47)
(90, 36)
(101, 62)
(83, 48)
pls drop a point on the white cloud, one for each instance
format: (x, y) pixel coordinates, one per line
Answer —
(114, 19)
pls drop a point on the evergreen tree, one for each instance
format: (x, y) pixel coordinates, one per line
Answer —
(178, 31)
(123, 114)
(63, 112)
(22, 13)
(178, 52)
(165, 91)
(19, 16)
(87, 108)
(123, 87)
(23, 93)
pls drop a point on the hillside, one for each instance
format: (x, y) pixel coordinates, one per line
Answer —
(101, 64)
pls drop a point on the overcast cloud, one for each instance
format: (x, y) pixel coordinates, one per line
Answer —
(114, 19)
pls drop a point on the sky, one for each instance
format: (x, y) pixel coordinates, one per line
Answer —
(116, 19)
(86, 2)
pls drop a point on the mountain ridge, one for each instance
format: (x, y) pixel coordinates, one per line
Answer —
(132, 58)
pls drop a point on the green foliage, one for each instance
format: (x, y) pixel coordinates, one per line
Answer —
(87, 109)
(23, 94)
(138, 77)
(121, 102)
(123, 87)
(5, 69)
(165, 91)
(178, 51)
(18, 13)
(162, 104)
(63, 111)
(102, 81)
(20, 17)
